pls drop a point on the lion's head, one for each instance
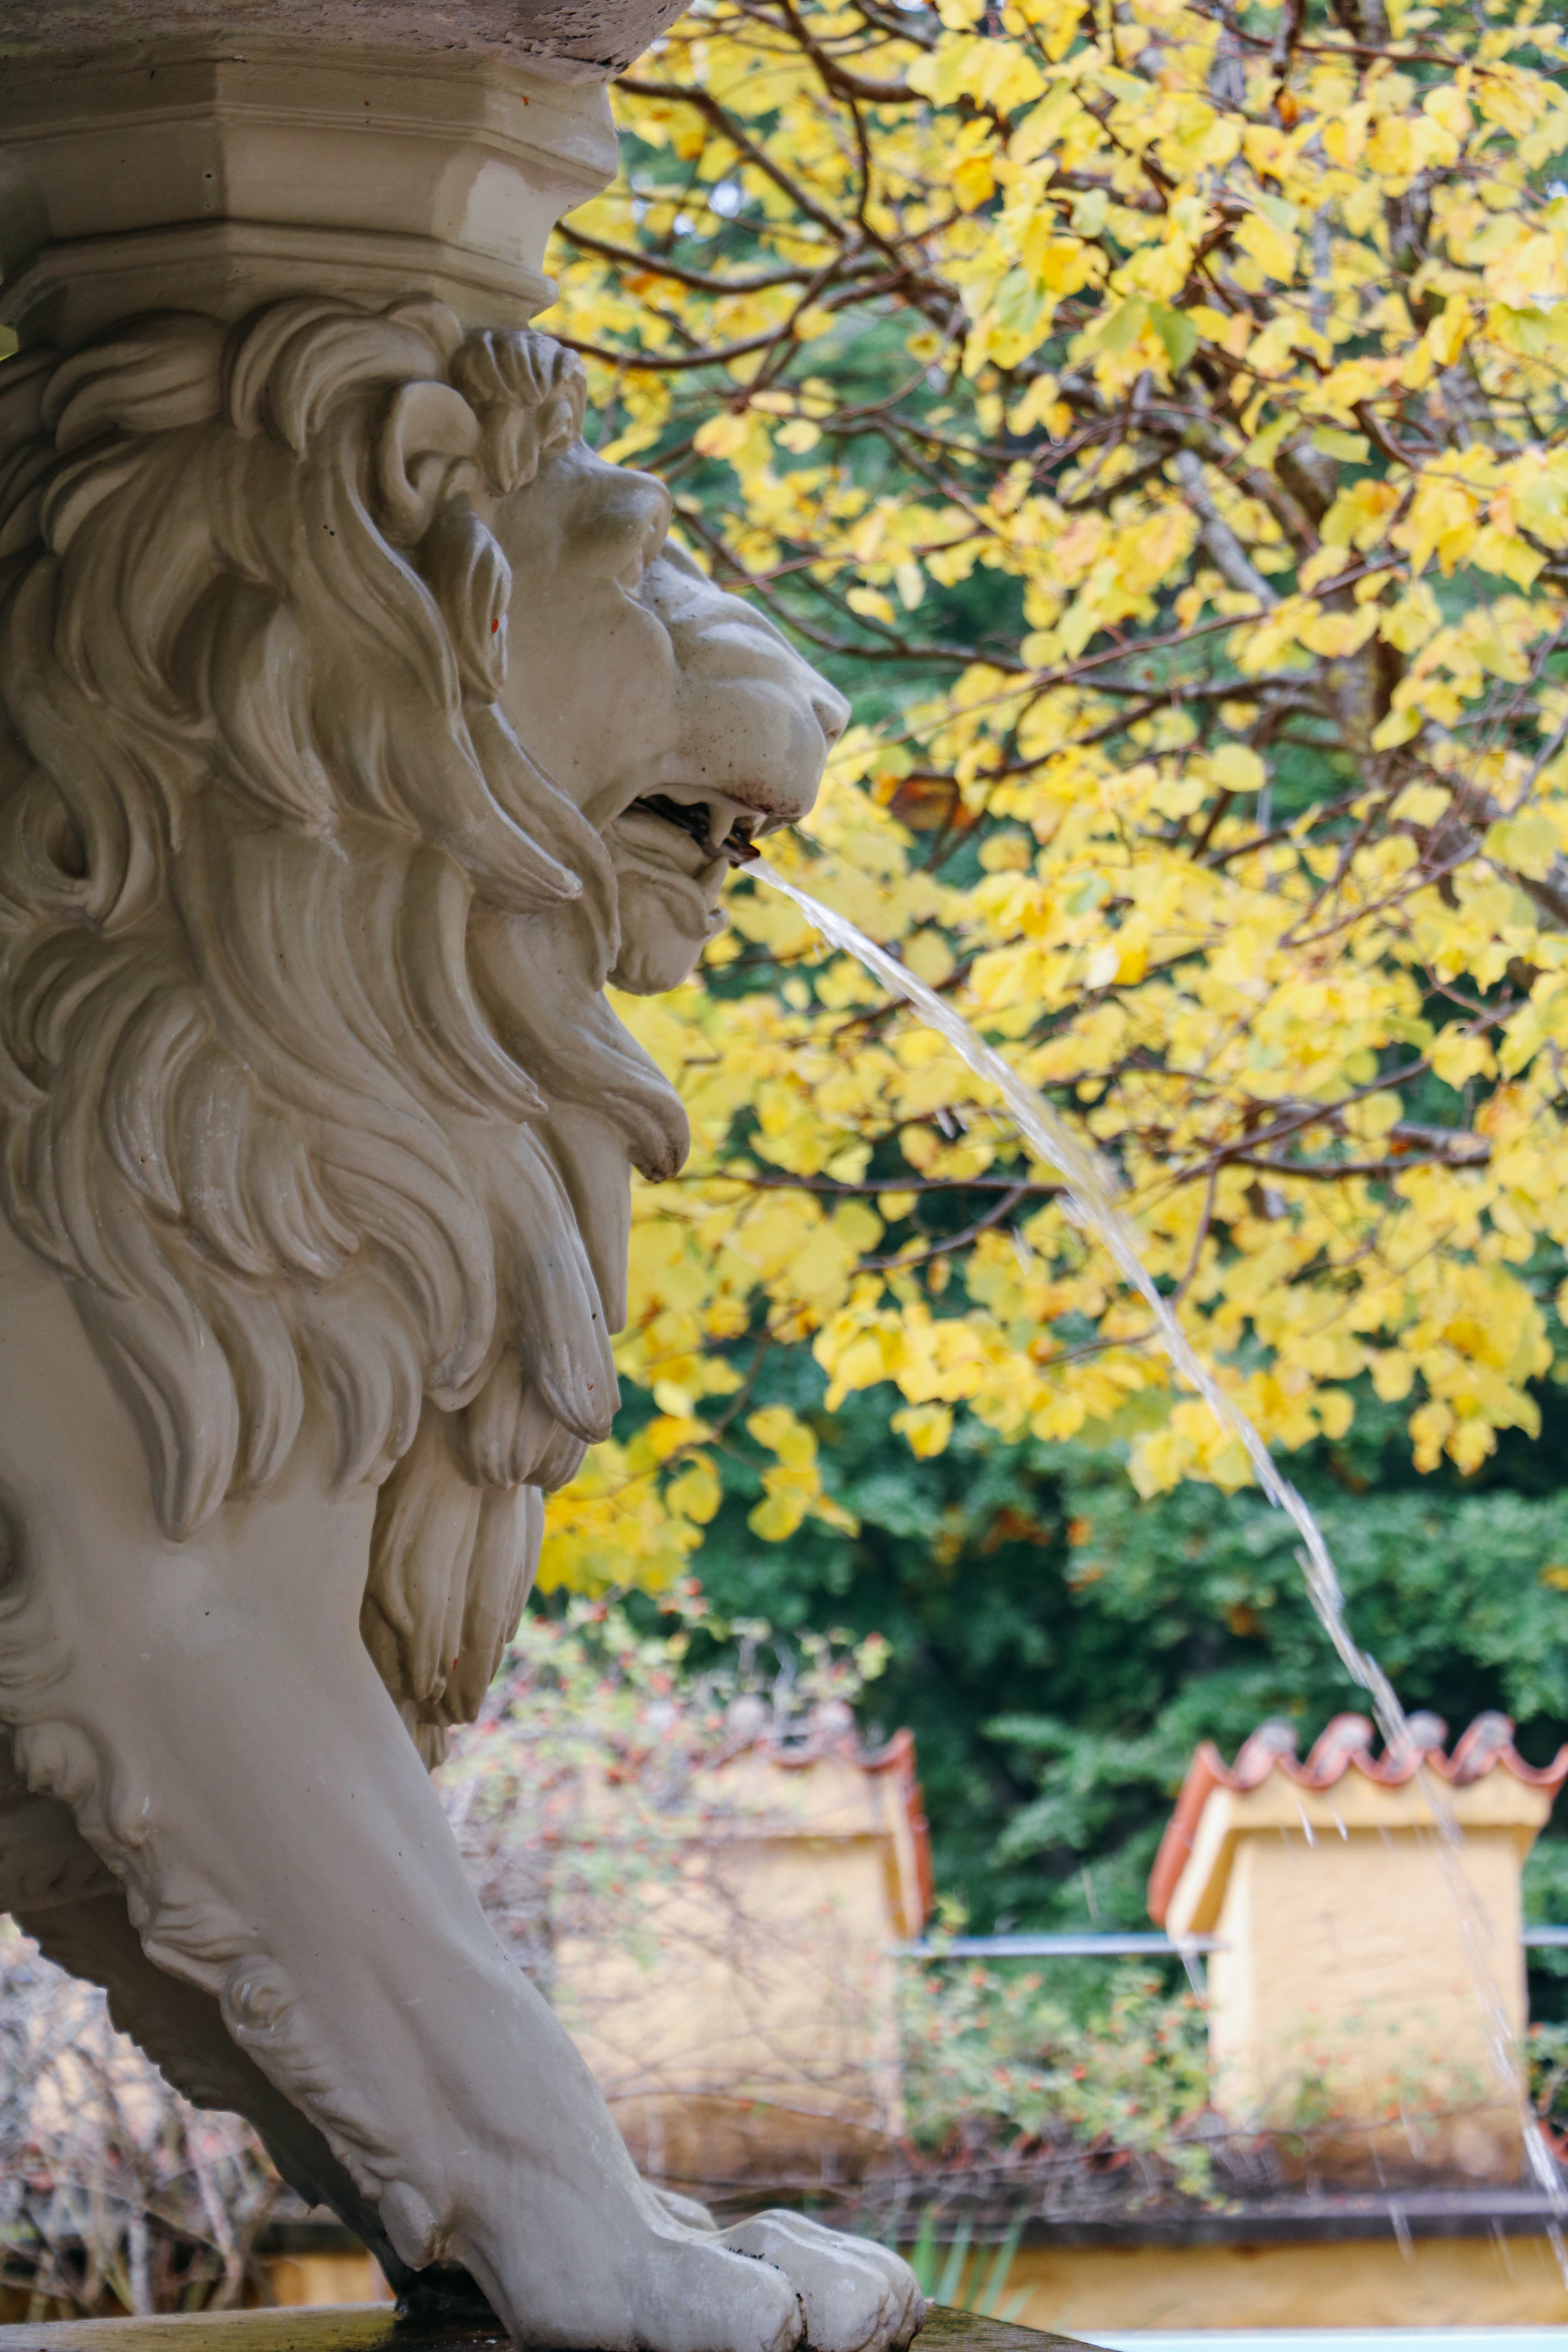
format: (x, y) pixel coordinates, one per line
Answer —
(356, 725)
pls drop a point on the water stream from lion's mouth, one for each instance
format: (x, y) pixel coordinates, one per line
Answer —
(1090, 1201)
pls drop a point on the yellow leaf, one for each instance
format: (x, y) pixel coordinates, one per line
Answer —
(1458, 1058)
(722, 436)
(1335, 635)
(776, 1427)
(1529, 273)
(1397, 728)
(1274, 250)
(776, 1516)
(1446, 336)
(973, 182)
(1442, 522)
(927, 1428)
(1527, 844)
(696, 1494)
(1352, 448)
(1236, 768)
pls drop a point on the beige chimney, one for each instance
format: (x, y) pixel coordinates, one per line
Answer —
(1344, 2010)
(755, 2038)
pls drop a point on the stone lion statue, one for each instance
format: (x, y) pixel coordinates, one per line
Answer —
(357, 725)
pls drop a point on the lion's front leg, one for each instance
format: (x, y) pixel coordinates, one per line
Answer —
(210, 1713)
(183, 2031)
(60, 1894)
(282, 1850)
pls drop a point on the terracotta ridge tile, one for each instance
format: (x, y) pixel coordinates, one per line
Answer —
(1346, 1741)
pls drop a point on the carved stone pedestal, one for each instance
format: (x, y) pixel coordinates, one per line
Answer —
(215, 174)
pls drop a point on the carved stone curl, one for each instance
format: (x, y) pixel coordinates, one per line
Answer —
(357, 724)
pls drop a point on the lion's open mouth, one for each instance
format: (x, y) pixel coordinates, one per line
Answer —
(697, 819)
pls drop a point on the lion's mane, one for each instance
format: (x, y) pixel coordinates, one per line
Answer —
(304, 1056)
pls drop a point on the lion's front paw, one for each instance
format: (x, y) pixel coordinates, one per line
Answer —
(854, 2296)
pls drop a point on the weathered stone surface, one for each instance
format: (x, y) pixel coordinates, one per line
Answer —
(567, 40)
(369, 2329)
(358, 727)
(210, 174)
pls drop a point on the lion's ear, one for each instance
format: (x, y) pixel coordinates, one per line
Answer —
(425, 454)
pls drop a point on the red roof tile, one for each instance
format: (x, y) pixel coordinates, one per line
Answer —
(1347, 1742)
(831, 1732)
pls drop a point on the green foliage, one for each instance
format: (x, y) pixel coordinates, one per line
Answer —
(1059, 1646)
(1546, 2052)
(992, 2059)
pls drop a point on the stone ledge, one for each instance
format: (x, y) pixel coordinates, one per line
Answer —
(375, 2327)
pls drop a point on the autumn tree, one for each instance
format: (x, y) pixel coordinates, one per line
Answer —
(1151, 412)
